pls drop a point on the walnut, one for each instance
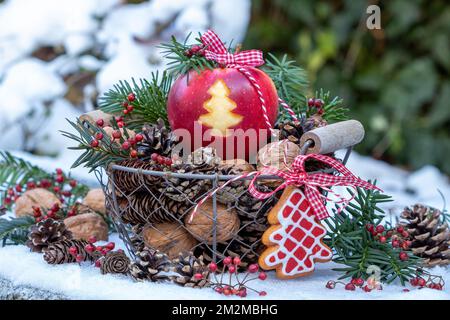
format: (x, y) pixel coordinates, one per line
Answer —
(169, 238)
(95, 199)
(35, 198)
(280, 155)
(202, 225)
(87, 225)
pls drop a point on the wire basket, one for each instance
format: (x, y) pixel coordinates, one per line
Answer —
(243, 240)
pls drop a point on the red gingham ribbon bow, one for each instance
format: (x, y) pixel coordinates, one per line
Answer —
(215, 50)
(297, 176)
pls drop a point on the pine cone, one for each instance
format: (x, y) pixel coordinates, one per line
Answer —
(58, 252)
(187, 266)
(185, 190)
(430, 238)
(157, 139)
(45, 233)
(292, 131)
(129, 182)
(149, 265)
(234, 190)
(115, 262)
(142, 208)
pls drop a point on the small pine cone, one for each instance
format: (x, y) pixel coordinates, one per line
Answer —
(142, 208)
(291, 130)
(150, 265)
(234, 190)
(115, 262)
(429, 236)
(157, 139)
(45, 233)
(58, 252)
(187, 267)
(129, 182)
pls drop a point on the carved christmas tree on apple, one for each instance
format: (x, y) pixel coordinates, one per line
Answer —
(294, 241)
(220, 116)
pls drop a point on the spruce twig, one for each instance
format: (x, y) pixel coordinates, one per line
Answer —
(15, 231)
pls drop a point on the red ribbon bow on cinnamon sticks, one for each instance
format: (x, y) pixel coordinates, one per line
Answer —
(311, 182)
(215, 50)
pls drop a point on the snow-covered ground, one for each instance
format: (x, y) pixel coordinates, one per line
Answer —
(21, 267)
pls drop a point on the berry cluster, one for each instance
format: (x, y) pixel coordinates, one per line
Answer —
(60, 184)
(93, 250)
(127, 106)
(316, 103)
(161, 160)
(239, 287)
(195, 50)
(397, 236)
(366, 286)
(424, 279)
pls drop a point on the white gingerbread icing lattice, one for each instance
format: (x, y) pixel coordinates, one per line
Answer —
(298, 240)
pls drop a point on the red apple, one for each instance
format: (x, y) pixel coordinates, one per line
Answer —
(221, 108)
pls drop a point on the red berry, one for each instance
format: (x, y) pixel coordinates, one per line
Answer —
(89, 248)
(67, 194)
(198, 276)
(421, 282)
(56, 189)
(318, 103)
(55, 207)
(395, 243)
(139, 137)
(438, 286)
(98, 248)
(405, 245)
(359, 282)
(92, 239)
(126, 145)
(414, 281)
(116, 134)
(31, 185)
(119, 119)
(227, 261)
(227, 292)
(367, 289)
(242, 293)
(160, 159)
(110, 246)
(263, 293)
(231, 268)
(219, 290)
(39, 219)
(98, 263)
(79, 258)
(73, 183)
(131, 97)
(212, 267)
(195, 48)
(168, 162)
(383, 239)
(94, 143)
(379, 229)
(37, 214)
(262, 276)
(400, 229)
(389, 234)
(7, 201)
(59, 178)
(311, 102)
(370, 227)
(237, 261)
(18, 188)
(130, 108)
(350, 287)
(73, 250)
(125, 104)
(121, 124)
(104, 251)
(133, 153)
(330, 284)
(125, 111)
(59, 171)
(99, 136)
(405, 234)
(253, 268)
(100, 122)
(154, 156)
(403, 256)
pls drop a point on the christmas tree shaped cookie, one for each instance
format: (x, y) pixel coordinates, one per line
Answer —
(294, 241)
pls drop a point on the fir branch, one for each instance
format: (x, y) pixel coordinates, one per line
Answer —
(16, 171)
(333, 109)
(15, 231)
(290, 81)
(357, 249)
(180, 62)
(150, 99)
(108, 151)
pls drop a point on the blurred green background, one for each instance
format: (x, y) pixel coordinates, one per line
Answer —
(395, 80)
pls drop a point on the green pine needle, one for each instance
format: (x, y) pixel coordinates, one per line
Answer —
(357, 249)
(333, 108)
(149, 105)
(15, 231)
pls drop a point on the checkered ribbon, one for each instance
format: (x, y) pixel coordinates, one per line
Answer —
(312, 182)
(298, 176)
(215, 50)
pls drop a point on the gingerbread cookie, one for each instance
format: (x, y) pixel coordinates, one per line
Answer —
(294, 241)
